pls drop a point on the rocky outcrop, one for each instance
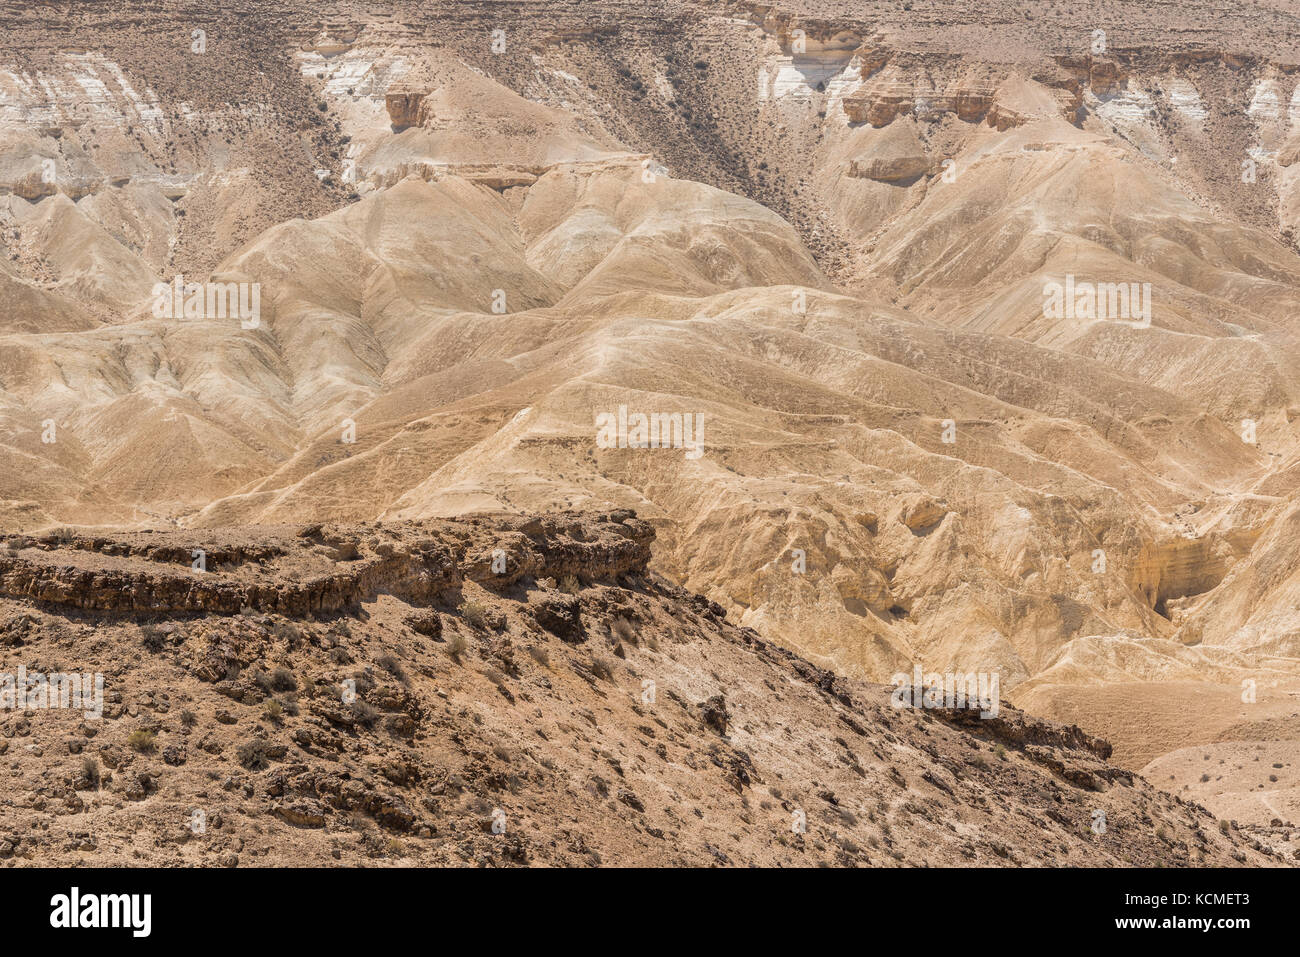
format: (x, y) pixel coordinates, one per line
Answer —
(880, 102)
(404, 108)
(888, 170)
(422, 563)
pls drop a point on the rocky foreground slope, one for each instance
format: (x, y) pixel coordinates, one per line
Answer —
(496, 691)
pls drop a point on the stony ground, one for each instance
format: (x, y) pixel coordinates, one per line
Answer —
(386, 695)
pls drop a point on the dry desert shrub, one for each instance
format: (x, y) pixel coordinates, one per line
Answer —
(390, 664)
(475, 614)
(624, 630)
(365, 714)
(254, 755)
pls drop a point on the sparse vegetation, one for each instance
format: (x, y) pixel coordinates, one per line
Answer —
(364, 713)
(624, 630)
(475, 614)
(141, 740)
(456, 647)
(254, 755)
(390, 664)
(153, 638)
(289, 633)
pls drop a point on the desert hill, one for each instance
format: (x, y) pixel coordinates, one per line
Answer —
(824, 234)
(381, 695)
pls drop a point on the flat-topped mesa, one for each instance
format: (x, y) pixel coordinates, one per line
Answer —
(316, 568)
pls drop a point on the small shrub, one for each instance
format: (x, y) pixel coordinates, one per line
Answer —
(364, 684)
(1224, 827)
(90, 770)
(570, 585)
(153, 639)
(364, 713)
(1000, 751)
(188, 718)
(273, 711)
(141, 741)
(289, 633)
(282, 679)
(254, 755)
(624, 630)
(601, 669)
(539, 655)
(390, 664)
(456, 647)
(475, 614)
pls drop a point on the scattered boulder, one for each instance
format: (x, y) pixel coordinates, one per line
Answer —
(560, 614)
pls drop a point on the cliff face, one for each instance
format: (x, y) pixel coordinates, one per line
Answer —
(147, 573)
(504, 691)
